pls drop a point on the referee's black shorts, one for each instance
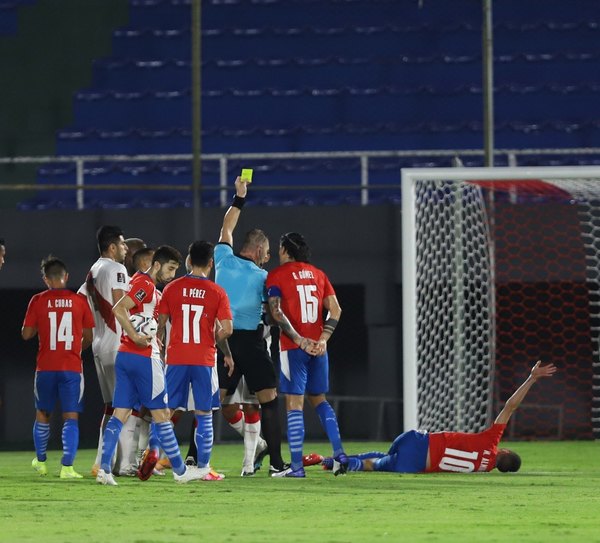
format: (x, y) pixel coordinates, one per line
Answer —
(251, 359)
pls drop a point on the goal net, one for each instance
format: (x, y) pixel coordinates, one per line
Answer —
(501, 267)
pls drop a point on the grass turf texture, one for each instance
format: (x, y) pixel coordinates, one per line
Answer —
(555, 497)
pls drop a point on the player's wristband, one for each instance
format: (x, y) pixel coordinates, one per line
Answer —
(330, 325)
(238, 201)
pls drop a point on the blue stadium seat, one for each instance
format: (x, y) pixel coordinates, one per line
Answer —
(307, 41)
(288, 73)
(8, 19)
(318, 75)
(545, 68)
(57, 174)
(131, 75)
(157, 13)
(143, 110)
(9, 15)
(218, 13)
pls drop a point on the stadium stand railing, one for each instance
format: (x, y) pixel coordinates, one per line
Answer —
(328, 178)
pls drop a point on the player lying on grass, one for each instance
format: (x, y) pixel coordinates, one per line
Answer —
(417, 452)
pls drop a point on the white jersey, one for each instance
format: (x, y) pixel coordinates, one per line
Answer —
(105, 276)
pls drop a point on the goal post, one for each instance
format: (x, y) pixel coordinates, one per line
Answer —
(500, 267)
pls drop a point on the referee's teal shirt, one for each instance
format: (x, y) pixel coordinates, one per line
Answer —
(244, 283)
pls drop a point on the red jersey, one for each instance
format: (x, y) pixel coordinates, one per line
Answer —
(59, 316)
(302, 289)
(463, 452)
(146, 296)
(193, 304)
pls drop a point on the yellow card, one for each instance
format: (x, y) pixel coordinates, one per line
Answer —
(247, 175)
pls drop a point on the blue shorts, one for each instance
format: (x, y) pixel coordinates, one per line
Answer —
(64, 385)
(179, 379)
(408, 454)
(139, 380)
(302, 373)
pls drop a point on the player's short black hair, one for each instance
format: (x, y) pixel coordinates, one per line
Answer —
(53, 268)
(296, 246)
(166, 253)
(508, 461)
(106, 235)
(2, 241)
(200, 253)
(254, 238)
(144, 252)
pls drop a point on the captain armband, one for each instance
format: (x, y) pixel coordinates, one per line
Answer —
(330, 325)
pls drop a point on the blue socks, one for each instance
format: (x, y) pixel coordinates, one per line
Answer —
(355, 464)
(41, 434)
(330, 424)
(371, 454)
(153, 441)
(203, 438)
(70, 441)
(295, 432)
(168, 442)
(161, 433)
(109, 445)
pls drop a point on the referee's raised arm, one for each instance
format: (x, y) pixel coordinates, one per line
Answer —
(233, 213)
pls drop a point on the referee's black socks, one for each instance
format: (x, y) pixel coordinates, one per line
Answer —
(271, 430)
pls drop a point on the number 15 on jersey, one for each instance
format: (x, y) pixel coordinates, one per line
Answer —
(309, 303)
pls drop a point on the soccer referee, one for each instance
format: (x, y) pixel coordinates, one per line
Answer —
(243, 278)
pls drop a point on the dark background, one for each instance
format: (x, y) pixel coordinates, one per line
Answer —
(357, 247)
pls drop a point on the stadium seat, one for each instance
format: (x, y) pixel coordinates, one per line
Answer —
(277, 78)
(8, 19)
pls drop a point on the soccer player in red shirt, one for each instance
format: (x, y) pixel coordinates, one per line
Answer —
(459, 452)
(63, 322)
(298, 294)
(139, 371)
(200, 317)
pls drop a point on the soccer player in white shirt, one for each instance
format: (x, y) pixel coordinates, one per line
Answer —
(106, 283)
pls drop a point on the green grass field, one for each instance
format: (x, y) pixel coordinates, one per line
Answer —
(555, 497)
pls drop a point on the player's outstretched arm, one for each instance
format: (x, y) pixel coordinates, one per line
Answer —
(537, 372)
(233, 213)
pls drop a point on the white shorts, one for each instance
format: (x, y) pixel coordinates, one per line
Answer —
(241, 395)
(105, 368)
